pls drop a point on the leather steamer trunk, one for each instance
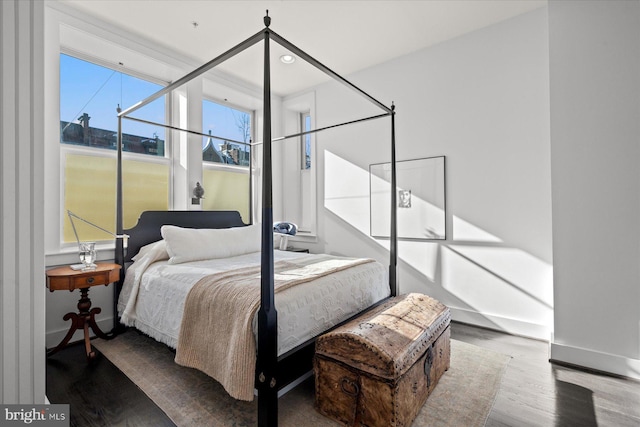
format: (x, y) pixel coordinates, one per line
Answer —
(379, 369)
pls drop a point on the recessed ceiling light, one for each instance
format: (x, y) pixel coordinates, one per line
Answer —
(288, 59)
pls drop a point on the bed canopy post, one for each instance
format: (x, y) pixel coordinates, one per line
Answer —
(267, 315)
(119, 252)
(267, 358)
(393, 249)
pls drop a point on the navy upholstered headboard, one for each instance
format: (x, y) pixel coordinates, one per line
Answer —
(147, 230)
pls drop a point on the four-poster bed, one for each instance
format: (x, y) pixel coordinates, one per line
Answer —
(270, 373)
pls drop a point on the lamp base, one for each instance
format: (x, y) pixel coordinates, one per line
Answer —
(284, 242)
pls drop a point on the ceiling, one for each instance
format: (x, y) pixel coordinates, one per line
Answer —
(346, 36)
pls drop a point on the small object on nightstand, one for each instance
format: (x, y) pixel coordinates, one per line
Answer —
(285, 229)
(198, 194)
(70, 278)
(87, 252)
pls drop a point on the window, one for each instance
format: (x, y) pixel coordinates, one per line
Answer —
(306, 218)
(298, 173)
(227, 190)
(230, 131)
(305, 125)
(89, 97)
(226, 156)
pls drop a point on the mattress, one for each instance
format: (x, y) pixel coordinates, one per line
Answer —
(156, 293)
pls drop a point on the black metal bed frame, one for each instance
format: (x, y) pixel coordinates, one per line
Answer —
(269, 378)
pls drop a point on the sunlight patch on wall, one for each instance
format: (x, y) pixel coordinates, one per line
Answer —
(421, 256)
(505, 282)
(522, 270)
(346, 191)
(465, 231)
(347, 196)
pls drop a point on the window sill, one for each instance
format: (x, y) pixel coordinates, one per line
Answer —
(69, 255)
(304, 237)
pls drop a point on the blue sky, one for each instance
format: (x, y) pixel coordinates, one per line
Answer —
(221, 121)
(97, 90)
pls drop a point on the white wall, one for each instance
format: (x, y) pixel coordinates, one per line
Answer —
(481, 100)
(22, 283)
(595, 140)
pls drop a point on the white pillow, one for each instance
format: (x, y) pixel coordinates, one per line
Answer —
(194, 244)
(158, 249)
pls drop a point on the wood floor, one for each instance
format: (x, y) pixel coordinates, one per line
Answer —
(533, 391)
(97, 392)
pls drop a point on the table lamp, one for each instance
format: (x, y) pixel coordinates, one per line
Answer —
(87, 250)
(285, 229)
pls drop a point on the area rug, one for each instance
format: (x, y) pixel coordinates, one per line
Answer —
(464, 396)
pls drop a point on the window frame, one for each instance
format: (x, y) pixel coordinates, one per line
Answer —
(294, 178)
(252, 117)
(65, 149)
(75, 33)
(303, 141)
(226, 167)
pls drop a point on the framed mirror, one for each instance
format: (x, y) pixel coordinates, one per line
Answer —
(420, 197)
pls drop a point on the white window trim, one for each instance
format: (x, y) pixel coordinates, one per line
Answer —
(252, 137)
(142, 59)
(112, 44)
(293, 107)
(108, 153)
(303, 147)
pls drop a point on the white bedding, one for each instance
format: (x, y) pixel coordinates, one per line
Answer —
(304, 311)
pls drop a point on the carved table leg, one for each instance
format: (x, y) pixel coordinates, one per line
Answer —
(84, 319)
(76, 323)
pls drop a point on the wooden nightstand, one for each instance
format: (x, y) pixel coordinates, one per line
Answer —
(64, 278)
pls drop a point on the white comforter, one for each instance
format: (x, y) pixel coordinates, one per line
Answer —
(154, 293)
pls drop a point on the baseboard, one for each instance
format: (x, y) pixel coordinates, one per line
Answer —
(53, 338)
(595, 360)
(502, 324)
(604, 362)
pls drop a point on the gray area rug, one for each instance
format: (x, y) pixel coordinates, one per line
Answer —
(463, 397)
